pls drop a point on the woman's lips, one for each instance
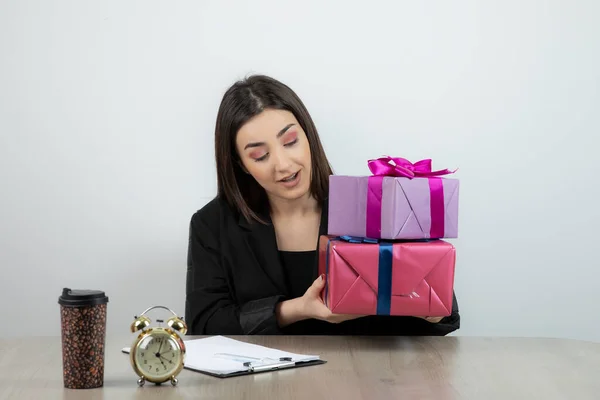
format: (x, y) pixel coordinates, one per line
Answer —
(291, 183)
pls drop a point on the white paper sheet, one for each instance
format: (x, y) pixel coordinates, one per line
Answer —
(221, 355)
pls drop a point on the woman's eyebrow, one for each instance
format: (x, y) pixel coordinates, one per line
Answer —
(284, 130)
(281, 132)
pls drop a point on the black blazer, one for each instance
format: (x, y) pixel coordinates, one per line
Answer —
(235, 280)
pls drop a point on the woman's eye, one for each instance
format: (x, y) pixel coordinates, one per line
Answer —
(261, 158)
(291, 143)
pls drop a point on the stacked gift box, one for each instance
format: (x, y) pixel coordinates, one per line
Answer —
(384, 253)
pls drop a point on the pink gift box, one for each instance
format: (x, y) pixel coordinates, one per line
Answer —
(413, 278)
(401, 200)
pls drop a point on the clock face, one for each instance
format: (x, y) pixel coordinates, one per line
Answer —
(158, 355)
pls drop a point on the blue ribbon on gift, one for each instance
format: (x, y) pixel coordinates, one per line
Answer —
(357, 239)
(384, 292)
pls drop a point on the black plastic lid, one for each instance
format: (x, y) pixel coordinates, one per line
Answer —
(78, 298)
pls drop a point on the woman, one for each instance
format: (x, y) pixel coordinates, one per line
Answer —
(252, 260)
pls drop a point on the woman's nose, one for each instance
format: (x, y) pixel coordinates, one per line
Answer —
(282, 161)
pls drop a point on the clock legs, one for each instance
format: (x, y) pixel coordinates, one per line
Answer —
(142, 381)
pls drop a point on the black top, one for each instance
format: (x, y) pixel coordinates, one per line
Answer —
(236, 277)
(299, 270)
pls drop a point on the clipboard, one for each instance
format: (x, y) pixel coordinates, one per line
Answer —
(263, 365)
(222, 357)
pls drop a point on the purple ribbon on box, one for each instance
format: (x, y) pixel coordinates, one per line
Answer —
(400, 167)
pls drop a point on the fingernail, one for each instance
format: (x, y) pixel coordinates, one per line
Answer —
(322, 277)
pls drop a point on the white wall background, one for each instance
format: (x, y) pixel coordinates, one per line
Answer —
(107, 114)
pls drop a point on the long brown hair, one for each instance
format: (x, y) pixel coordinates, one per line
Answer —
(243, 100)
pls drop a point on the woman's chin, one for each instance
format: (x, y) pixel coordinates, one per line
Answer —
(292, 194)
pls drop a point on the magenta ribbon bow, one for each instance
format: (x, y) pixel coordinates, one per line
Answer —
(400, 167)
(396, 166)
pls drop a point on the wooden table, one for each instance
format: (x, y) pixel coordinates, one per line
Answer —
(358, 368)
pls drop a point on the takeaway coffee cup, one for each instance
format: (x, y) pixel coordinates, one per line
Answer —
(83, 333)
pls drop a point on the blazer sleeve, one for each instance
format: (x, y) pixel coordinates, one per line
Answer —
(210, 308)
(446, 325)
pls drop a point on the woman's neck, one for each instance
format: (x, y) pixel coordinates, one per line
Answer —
(297, 223)
(283, 208)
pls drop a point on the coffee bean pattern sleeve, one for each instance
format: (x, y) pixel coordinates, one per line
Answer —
(83, 332)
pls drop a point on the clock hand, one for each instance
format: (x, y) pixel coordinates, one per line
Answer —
(166, 359)
(157, 352)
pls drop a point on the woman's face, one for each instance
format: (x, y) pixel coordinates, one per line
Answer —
(274, 149)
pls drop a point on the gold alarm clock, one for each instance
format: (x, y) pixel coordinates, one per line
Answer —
(157, 354)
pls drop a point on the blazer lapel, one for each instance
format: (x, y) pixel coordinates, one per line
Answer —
(324, 219)
(263, 245)
(322, 232)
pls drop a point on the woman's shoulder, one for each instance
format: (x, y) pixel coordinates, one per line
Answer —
(208, 210)
(213, 215)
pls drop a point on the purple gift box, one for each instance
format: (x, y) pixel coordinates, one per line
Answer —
(400, 200)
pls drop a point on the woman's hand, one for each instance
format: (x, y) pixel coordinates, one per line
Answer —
(308, 306)
(313, 306)
(433, 320)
